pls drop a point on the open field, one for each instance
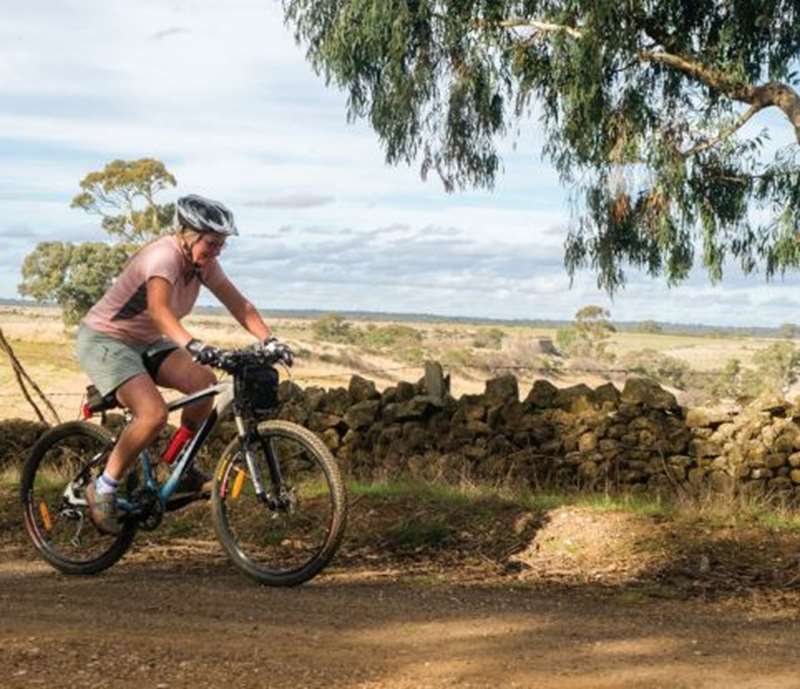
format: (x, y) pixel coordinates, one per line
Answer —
(46, 350)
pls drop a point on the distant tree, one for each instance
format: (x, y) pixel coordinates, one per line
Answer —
(75, 276)
(650, 327)
(776, 368)
(728, 382)
(589, 335)
(123, 194)
(644, 106)
(789, 331)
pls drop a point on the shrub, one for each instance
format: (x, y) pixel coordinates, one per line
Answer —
(333, 328)
(489, 339)
(661, 367)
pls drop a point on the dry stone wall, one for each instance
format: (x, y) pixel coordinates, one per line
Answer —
(637, 438)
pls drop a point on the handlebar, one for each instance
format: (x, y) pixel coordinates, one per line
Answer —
(234, 360)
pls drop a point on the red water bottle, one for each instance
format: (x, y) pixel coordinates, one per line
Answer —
(176, 443)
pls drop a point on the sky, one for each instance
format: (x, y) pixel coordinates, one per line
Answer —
(220, 92)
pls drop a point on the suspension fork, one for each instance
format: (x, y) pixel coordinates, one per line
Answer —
(247, 434)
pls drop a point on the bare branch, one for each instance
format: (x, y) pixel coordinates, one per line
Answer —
(725, 133)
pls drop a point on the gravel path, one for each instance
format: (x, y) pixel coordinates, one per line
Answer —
(193, 623)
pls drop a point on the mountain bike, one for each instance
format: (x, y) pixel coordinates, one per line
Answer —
(278, 502)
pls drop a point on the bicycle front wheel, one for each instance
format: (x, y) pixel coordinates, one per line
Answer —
(287, 537)
(53, 492)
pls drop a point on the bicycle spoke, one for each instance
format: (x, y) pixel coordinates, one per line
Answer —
(290, 536)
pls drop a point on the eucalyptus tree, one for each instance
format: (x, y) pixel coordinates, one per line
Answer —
(75, 276)
(652, 109)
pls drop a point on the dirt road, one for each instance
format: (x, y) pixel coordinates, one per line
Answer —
(194, 622)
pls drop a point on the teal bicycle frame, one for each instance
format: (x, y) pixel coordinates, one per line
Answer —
(224, 392)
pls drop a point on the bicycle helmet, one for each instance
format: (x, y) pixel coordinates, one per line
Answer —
(204, 215)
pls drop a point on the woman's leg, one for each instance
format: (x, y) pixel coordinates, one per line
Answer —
(141, 396)
(180, 372)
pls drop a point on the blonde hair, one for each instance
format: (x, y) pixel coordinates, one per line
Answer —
(188, 235)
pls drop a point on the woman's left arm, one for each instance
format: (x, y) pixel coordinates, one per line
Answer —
(241, 309)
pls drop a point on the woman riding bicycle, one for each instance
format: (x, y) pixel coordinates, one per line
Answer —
(132, 340)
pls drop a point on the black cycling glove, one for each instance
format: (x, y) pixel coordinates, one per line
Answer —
(203, 353)
(280, 351)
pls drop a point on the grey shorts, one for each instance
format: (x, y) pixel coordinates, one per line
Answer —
(109, 362)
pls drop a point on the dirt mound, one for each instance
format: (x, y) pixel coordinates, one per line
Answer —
(581, 545)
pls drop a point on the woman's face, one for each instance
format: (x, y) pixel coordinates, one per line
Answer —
(207, 247)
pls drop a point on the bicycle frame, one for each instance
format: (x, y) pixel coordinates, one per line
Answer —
(225, 394)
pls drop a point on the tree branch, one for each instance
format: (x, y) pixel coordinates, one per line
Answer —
(773, 93)
(725, 133)
(544, 27)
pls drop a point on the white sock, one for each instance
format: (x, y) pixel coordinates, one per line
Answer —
(105, 485)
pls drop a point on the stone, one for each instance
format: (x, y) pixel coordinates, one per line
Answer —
(362, 413)
(648, 393)
(772, 404)
(389, 396)
(607, 393)
(576, 399)
(389, 435)
(587, 442)
(502, 389)
(720, 482)
(756, 452)
(405, 391)
(478, 428)
(704, 448)
(418, 407)
(474, 412)
(617, 431)
(794, 475)
(437, 385)
(512, 413)
(415, 437)
(336, 401)
(314, 397)
(774, 460)
(331, 439)
(289, 391)
(361, 389)
(320, 421)
(794, 459)
(542, 394)
(706, 417)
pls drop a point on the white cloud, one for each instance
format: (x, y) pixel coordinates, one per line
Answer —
(221, 93)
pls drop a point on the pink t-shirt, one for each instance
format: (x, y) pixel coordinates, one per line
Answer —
(122, 312)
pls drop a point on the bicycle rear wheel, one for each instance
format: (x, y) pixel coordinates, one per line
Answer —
(289, 537)
(53, 493)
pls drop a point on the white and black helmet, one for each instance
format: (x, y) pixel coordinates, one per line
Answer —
(204, 215)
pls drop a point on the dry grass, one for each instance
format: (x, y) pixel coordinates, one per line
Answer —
(47, 352)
